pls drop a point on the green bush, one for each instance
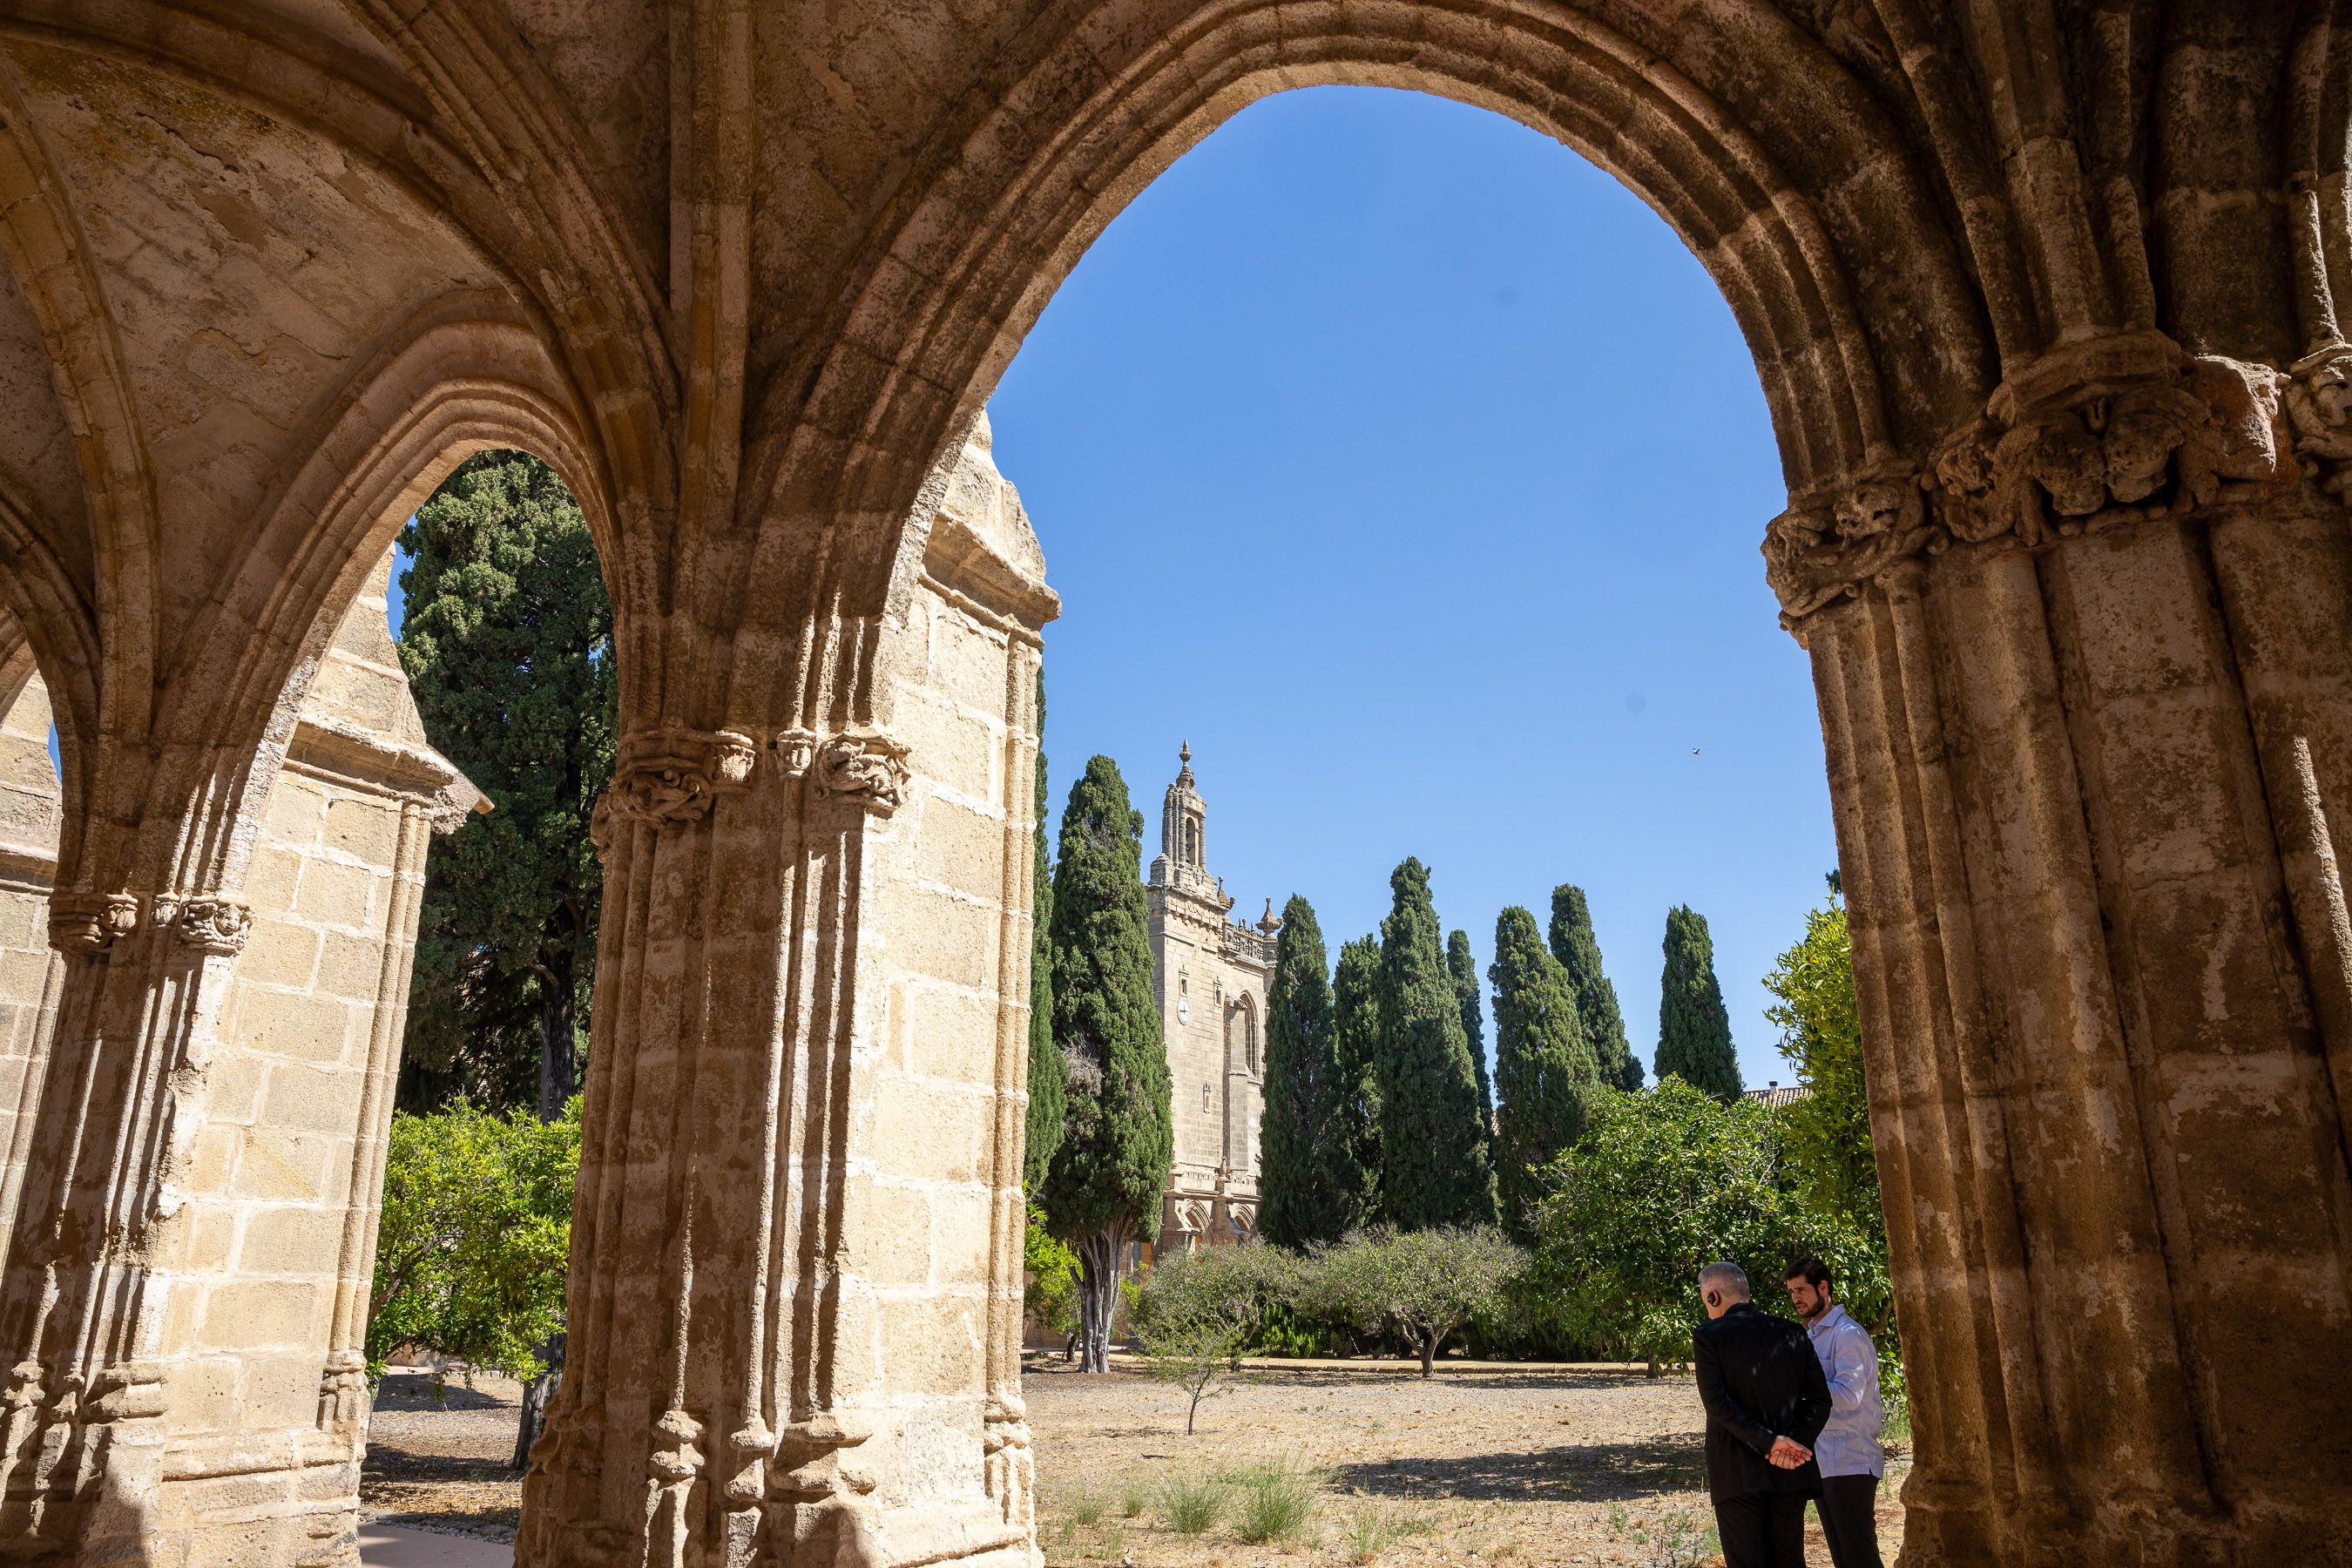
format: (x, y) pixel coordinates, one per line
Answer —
(476, 1225)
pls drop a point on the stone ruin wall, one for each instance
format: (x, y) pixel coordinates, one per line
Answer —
(263, 1282)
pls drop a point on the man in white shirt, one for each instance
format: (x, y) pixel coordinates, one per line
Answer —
(1847, 1451)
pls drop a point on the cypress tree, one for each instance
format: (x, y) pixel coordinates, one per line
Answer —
(1543, 1063)
(1047, 1069)
(1693, 1027)
(1465, 971)
(1312, 1187)
(508, 645)
(1438, 1170)
(1103, 1188)
(1355, 1050)
(1578, 952)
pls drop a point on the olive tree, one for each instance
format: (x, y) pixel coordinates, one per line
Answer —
(1426, 1285)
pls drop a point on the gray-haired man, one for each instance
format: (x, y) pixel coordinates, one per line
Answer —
(1847, 1451)
(1766, 1400)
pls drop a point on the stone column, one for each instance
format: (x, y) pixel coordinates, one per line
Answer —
(795, 1296)
(187, 1281)
(2089, 729)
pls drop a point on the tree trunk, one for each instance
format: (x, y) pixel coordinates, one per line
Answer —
(1099, 1258)
(558, 1075)
(1428, 1344)
(534, 1400)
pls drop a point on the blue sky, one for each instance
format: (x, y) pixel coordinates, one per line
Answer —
(1413, 469)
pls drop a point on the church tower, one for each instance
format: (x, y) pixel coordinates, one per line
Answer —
(1211, 973)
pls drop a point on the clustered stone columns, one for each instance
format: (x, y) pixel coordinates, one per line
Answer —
(796, 1246)
(187, 1285)
(2088, 704)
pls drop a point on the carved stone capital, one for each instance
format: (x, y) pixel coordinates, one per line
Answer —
(1815, 554)
(668, 777)
(91, 923)
(2318, 398)
(2137, 432)
(796, 751)
(2103, 434)
(865, 766)
(211, 923)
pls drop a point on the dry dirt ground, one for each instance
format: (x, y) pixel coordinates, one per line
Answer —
(1499, 1464)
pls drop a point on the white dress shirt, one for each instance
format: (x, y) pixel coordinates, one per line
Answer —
(1848, 1446)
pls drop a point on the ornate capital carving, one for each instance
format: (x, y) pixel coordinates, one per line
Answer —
(2103, 434)
(796, 751)
(91, 923)
(865, 766)
(211, 923)
(2139, 432)
(1815, 554)
(2318, 399)
(668, 777)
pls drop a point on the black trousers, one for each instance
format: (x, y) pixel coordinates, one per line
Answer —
(1849, 1506)
(1762, 1530)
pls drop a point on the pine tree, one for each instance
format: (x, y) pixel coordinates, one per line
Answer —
(1465, 971)
(1438, 1171)
(1578, 952)
(507, 645)
(1104, 1187)
(1355, 1051)
(1693, 1027)
(1543, 1064)
(1313, 1189)
(1047, 1071)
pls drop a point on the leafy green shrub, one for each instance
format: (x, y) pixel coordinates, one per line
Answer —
(1050, 1296)
(471, 1248)
(1665, 1182)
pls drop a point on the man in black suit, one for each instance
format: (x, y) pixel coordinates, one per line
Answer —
(1766, 1400)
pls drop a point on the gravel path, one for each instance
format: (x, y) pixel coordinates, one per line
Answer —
(1535, 1465)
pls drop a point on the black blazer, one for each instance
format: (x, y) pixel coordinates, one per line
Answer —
(1759, 1380)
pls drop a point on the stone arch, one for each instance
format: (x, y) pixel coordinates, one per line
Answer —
(1830, 229)
(468, 374)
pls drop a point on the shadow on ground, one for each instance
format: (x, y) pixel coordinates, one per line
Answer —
(1585, 1472)
(413, 1391)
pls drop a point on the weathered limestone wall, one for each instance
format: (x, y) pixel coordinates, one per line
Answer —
(268, 1294)
(806, 1106)
(29, 800)
(250, 1402)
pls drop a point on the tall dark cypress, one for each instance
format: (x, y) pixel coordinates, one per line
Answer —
(1578, 952)
(1694, 1027)
(1312, 1187)
(1543, 1064)
(1438, 1170)
(1355, 1051)
(1465, 971)
(1104, 1187)
(1047, 1071)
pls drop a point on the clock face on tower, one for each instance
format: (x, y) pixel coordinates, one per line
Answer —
(1184, 1009)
